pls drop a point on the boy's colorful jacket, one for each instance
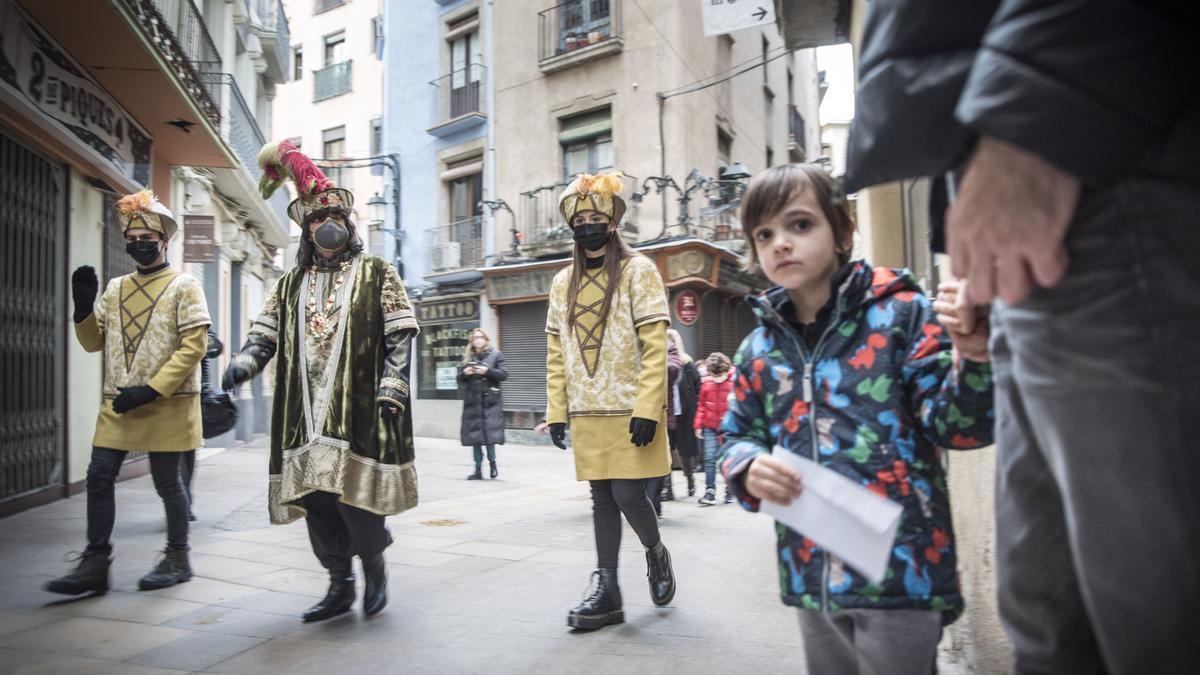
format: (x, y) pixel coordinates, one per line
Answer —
(874, 401)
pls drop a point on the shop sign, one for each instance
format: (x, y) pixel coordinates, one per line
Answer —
(448, 311)
(689, 263)
(39, 73)
(199, 244)
(687, 307)
(440, 352)
(532, 283)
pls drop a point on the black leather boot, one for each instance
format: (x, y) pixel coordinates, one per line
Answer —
(478, 475)
(668, 492)
(691, 479)
(660, 574)
(338, 599)
(494, 472)
(174, 568)
(90, 576)
(375, 585)
(601, 608)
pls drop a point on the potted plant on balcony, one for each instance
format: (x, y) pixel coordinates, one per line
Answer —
(571, 42)
(582, 41)
(595, 37)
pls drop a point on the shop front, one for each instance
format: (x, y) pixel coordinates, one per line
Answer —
(446, 325)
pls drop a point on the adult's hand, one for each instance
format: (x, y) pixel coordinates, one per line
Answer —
(84, 286)
(234, 375)
(133, 397)
(769, 478)
(967, 325)
(389, 411)
(641, 431)
(1007, 224)
(558, 434)
(699, 433)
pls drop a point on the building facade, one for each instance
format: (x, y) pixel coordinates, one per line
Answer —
(99, 99)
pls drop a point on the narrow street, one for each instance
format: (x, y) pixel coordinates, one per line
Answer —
(481, 577)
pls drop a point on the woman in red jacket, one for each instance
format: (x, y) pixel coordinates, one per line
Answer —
(710, 409)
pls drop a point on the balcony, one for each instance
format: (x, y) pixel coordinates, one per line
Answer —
(331, 81)
(177, 29)
(577, 31)
(457, 247)
(269, 22)
(796, 143)
(242, 133)
(326, 5)
(541, 228)
(459, 100)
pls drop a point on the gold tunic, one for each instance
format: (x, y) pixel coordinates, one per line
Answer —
(152, 328)
(599, 376)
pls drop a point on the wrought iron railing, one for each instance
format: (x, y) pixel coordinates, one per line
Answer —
(270, 17)
(539, 220)
(245, 137)
(796, 128)
(177, 29)
(576, 24)
(457, 246)
(332, 80)
(459, 93)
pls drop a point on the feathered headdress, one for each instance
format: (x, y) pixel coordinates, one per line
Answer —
(142, 209)
(283, 161)
(594, 193)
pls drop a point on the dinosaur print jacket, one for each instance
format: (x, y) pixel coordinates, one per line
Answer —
(874, 401)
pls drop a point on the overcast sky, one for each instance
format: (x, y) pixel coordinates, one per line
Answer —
(837, 62)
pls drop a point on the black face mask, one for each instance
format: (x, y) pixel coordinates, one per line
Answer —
(331, 236)
(592, 236)
(142, 251)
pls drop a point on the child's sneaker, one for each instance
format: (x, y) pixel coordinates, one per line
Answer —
(728, 497)
(709, 498)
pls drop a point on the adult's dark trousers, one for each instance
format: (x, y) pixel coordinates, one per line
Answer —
(338, 532)
(102, 503)
(1097, 394)
(610, 499)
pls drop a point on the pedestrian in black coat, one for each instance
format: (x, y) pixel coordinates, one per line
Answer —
(480, 375)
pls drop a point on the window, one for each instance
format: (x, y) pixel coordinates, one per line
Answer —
(770, 157)
(298, 63)
(335, 48)
(377, 35)
(297, 141)
(791, 88)
(765, 48)
(376, 136)
(724, 150)
(583, 22)
(464, 74)
(587, 144)
(333, 146)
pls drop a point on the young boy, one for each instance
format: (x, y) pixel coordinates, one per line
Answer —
(850, 368)
(711, 406)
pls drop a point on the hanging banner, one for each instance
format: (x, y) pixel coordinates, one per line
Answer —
(39, 73)
(726, 16)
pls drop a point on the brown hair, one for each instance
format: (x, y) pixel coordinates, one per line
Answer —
(770, 192)
(469, 353)
(615, 254)
(717, 363)
(305, 253)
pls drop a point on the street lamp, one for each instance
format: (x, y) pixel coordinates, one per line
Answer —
(377, 209)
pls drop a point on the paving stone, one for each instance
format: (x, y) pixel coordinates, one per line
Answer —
(234, 621)
(197, 651)
(96, 638)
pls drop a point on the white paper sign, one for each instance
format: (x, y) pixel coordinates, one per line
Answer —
(726, 16)
(840, 515)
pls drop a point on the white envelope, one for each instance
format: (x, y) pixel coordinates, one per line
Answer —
(840, 515)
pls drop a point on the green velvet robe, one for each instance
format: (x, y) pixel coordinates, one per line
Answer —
(339, 444)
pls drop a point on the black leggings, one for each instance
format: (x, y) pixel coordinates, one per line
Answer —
(611, 498)
(102, 504)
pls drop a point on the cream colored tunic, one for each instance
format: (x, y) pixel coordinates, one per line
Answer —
(152, 329)
(599, 376)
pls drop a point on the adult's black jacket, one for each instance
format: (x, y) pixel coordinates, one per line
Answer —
(1097, 88)
(483, 406)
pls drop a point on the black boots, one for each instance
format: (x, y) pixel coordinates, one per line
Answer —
(494, 472)
(668, 491)
(375, 587)
(338, 599)
(174, 568)
(660, 574)
(601, 608)
(691, 479)
(478, 475)
(90, 576)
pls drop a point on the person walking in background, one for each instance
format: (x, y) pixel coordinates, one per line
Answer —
(849, 367)
(658, 489)
(1063, 135)
(480, 375)
(711, 406)
(606, 376)
(681, 412)
(340, 323)
(152, 326)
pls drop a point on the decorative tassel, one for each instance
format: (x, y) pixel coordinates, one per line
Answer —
(138, 202)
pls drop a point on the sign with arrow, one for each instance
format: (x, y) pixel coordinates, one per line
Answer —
(726, 16)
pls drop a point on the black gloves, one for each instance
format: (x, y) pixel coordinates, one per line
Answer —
(390, 412)
(641, 430)
(133, 397)
(558, 434)
(234, 375)
(84, 285)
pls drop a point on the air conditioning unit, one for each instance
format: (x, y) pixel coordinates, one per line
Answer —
(447, 256)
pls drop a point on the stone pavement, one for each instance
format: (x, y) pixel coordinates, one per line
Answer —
(482, 575)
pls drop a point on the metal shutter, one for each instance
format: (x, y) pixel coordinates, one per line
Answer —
(710, 326)
(523, 341)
